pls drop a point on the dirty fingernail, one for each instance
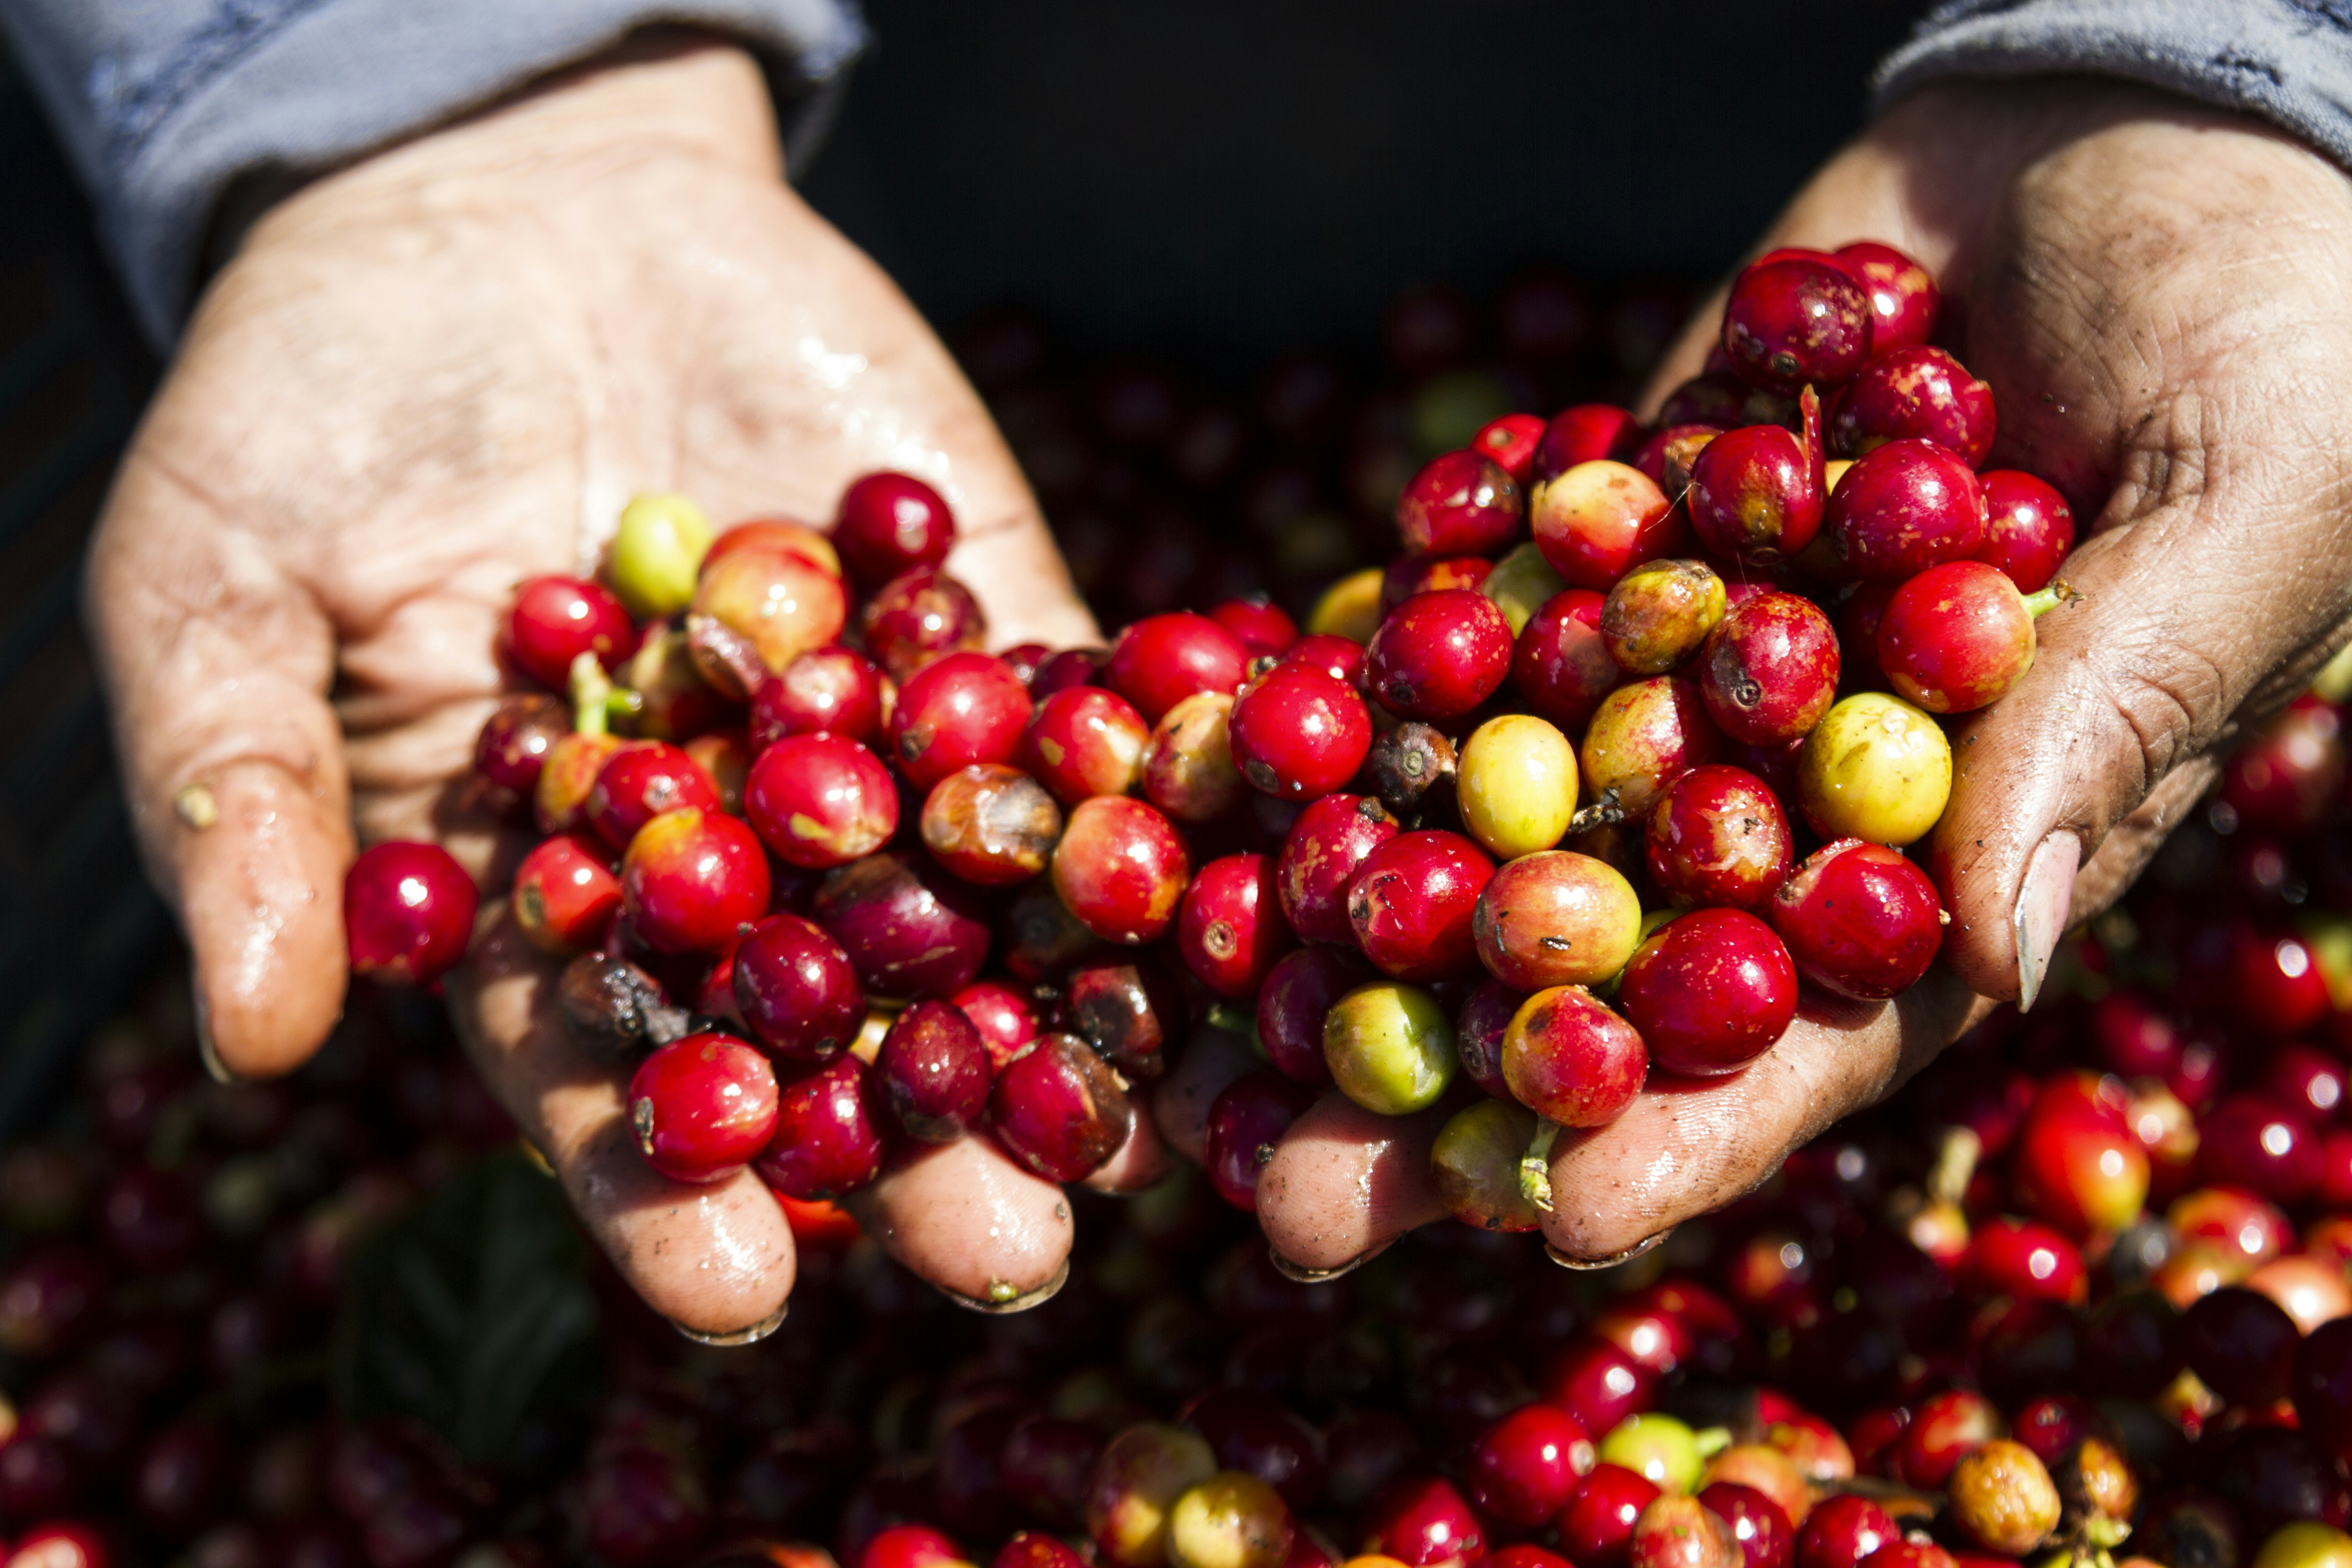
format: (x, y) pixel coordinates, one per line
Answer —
(751, 1336)
(1582, 1265)
(2042, 903)
(1301, 1274)
(1002, 1298)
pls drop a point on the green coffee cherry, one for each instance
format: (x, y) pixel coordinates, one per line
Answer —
(658, 552)
(1389, 1048)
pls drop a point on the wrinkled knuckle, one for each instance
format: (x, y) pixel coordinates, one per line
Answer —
(2171, 700)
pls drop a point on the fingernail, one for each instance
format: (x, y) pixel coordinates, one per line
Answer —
(1301, 1274)
(2042, 906)
(1582, 1265)
(217, 1070)
(1002, 1299)
(751, 1336)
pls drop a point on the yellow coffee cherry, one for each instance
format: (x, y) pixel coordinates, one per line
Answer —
(1516, 784)
(1389, 1048)
(1348, 608)
(1521, 584)
(658, 552)
(1875, 768)
(1233, 1519)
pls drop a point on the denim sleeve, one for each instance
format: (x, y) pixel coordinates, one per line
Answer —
(2288, 61)
(161, 103)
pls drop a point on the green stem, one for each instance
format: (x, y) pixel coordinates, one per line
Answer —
(2050, 598)
(591, 693)
(1535, 1166)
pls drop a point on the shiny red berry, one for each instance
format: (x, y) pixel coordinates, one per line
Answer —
(1297, 733)
(961, 708)
(889, 523)
(1412, 901)
(797, 990)
(2029, 529)
(1319, 858)
(703, 1106)
(1718, 836)
(556, 619)
(1903, 295)
(918, 615)
(1797, 319)
(1461, 503)
(1525, 1467)
(1859, 918)
(828, 1142)
(1596, 1528)
(1246, 1120)
(1059, 1110)
(819, 801)
(832, 689)
(1769, 670)
(409, 910)
(1298, 991)
(1920, 394)
(565, 893)
(909, 929)
(516, 738)
(1438, 656)
(638, 783)
(1710, 991)
(1230, 930)
(1160, 660)
(1903, 508)
(1120, 869)
(934, 1072)
(1559, 665)
(692, 879)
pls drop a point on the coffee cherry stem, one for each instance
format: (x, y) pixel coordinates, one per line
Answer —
(2047, 599)
(1956, 1164)
(1234, 1020)
(1534, 1165)
(593, 695)
(1601, 813)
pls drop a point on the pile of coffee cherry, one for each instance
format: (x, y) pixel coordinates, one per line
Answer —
(1516, 809)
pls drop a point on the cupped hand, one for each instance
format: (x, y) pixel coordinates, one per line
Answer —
(421, 380)
(2155, 292)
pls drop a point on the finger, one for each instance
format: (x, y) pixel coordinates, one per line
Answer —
(716, 1260)
(1345, 1181)
(1687, 1146)
(1143, 1160)
(978, 1226)
(218, 662)
(1213, 1059)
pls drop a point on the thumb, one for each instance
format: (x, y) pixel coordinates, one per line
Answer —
(217, 664)
(2210, 595)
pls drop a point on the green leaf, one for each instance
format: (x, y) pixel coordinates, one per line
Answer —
(471, 1312)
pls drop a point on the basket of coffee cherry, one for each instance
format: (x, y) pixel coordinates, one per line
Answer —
(1626, 747)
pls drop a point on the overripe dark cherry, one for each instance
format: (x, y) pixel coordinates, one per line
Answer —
(703, 1106)
(797, 990)
(1258, 1434)
(1438, 656)
(2254, 1142)
(1582, 433)
(1461, 503)
(832, 689)
(1596, 1527)
(1413, 768)
(1919, 393)
(1555, 917)
(827, 1142)
(1568, 1058)
(565, 893)
(1410, 903)
(1045, 1464)
(960, 710)
(1797, 319)
(1230, 930)
(1559, 665)
(1766, 1538)
(2320, 1383)
(1957, 636)
(1756, 494)
(1120, 869)
(1085, 740)
(1859, 918)
(2271, 1475)
(1770, 670)
(1643, 736)
(1510, 441)
(909, 929)
(1298, 991)
(1422, 1521)
(1525, 1467)
(556, 619)
(2241, 1344)
(1070, 667)
(1160, 660)
(1130, 1007)
(1246, 1120)
(1597, 519)
(2028, 528)
(891, 524)
(918, 615)
(1478, 1033)
(1059, 1110)
(934, 1072)
(639, 782)
(516, 738)
(991, 824)
(1904, 507)
(408, 911)
(1710, 991)
(1297, 733)
(1718, 836)
(819, 801)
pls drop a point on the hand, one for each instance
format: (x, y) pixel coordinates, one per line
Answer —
(2155, 292)
(422, 379)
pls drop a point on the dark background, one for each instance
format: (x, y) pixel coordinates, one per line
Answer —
(1212, 177)
(1211, 181)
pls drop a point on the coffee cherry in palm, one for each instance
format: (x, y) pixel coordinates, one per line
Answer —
(408, 913)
